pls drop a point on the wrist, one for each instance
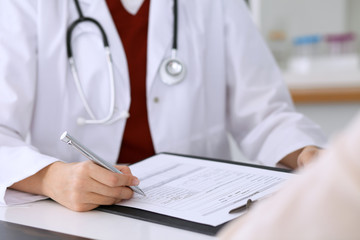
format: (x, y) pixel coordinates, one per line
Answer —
(49, 175)
(36, 183)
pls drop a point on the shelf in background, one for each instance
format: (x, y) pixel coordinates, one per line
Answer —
(325, 95)
(329, 87)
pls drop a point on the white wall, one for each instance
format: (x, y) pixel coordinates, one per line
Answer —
(353, 16)
(301, 17)
(332, 117)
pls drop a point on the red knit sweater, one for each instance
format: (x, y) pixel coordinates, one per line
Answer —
(137, 143)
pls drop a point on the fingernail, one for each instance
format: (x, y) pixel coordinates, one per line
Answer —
(135, 182)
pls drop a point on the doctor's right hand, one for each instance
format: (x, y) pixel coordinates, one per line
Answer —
(80, 186)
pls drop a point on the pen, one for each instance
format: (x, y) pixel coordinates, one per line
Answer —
(246, 206)
(65, 137)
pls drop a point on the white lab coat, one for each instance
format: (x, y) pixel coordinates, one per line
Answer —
(232, 85)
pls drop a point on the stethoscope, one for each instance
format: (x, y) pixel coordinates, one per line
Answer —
(172, 70)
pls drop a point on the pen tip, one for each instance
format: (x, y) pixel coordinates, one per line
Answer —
(142, 193)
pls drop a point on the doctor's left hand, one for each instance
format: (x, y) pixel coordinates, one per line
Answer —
(307, 155)
(301, 157)
(80, 186)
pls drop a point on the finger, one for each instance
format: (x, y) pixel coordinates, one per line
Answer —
(111, 179)
(98, 199)
(113, 192)
(308, 155)
(81, 207)
(124, 169)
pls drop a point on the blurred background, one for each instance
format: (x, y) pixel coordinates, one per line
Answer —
(316, 43)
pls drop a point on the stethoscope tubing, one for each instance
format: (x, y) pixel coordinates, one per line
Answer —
(168, 77)
(77, 22)
(74, 71)
(175, 25)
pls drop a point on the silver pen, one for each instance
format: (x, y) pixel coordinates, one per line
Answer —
(65, 137)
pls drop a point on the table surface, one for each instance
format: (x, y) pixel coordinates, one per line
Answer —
(94, 224)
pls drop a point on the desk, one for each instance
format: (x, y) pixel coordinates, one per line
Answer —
(94, 224)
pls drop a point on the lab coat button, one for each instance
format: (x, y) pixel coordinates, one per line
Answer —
(156, 99)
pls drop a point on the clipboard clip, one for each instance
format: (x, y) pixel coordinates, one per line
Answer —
(244, 207)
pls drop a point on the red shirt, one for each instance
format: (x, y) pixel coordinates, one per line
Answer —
(137, 142)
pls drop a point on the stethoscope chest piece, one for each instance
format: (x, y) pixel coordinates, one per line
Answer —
(172, 71)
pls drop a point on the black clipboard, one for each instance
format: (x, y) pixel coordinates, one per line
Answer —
(173, 221)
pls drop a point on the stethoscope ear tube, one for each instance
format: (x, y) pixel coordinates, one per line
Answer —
(110, 116)
(82, 19)
(72, 27)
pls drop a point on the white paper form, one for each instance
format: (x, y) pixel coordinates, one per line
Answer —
(199, 190)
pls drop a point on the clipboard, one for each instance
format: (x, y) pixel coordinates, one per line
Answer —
(170, 221)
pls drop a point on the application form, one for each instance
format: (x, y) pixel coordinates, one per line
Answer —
(197, 190)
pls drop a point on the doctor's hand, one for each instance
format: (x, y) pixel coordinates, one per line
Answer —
(301, 157)
(307, 155)
(81, 186)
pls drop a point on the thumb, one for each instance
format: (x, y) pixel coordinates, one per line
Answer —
(133, 181)
(130, 179)
(124, 169)
(307, 155)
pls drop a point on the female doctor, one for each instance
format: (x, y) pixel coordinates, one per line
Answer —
(206, 73)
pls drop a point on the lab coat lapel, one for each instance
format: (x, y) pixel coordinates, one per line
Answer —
(160, 33)
(98, 10)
